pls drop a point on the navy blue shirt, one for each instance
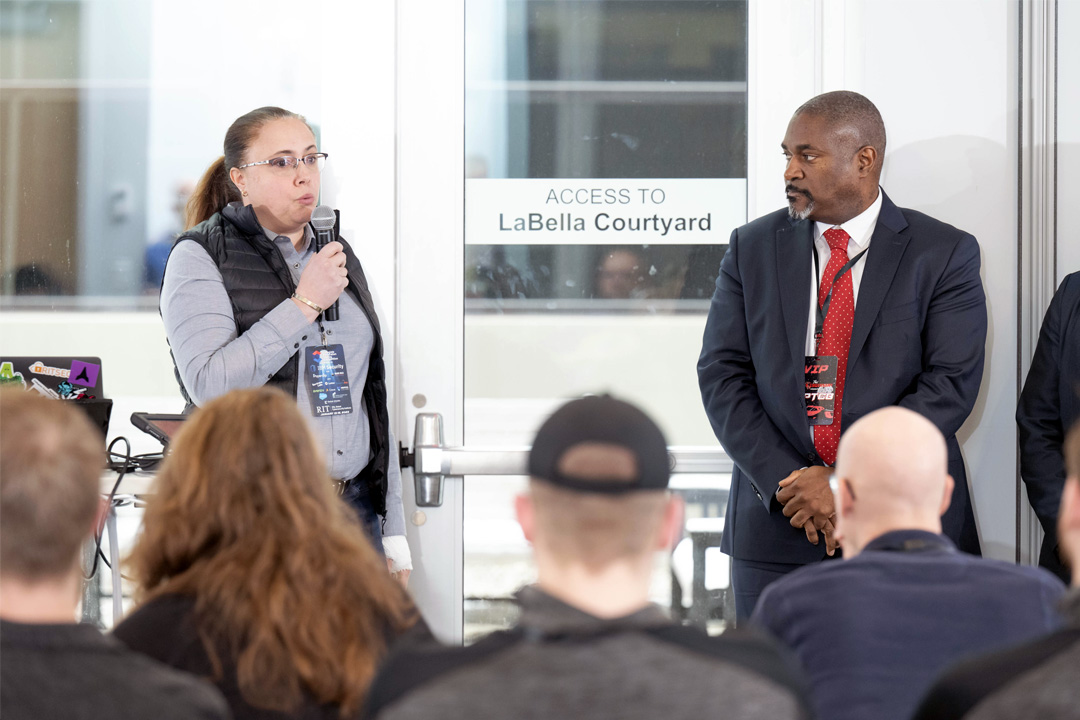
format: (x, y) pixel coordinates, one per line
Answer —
(874, 631)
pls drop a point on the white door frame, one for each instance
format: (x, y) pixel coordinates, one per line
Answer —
(430, 268)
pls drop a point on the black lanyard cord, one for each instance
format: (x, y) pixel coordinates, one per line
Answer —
(823, 308)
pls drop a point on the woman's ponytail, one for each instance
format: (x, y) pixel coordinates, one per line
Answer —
(214, 191)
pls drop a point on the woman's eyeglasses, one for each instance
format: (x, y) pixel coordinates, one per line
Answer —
(314, 161)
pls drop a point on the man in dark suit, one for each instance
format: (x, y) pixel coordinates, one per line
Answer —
(802, 340)
(873, 630)
(1049, 405)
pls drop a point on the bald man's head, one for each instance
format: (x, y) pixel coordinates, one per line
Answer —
(895, 465)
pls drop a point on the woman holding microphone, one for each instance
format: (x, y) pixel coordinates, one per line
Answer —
(243, 298)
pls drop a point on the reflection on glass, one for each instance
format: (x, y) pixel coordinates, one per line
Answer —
(39, 47)
(581, 272)
(633, 89)
(104, 124)
(638, 89)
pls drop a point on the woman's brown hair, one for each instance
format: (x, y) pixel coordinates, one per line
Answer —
(246, 520)
(215, 189)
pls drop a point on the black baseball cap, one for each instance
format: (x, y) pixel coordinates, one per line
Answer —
(604, 420)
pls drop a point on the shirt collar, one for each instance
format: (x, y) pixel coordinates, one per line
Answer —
(910, 541)
(547, 615)
(53, 635)
(859, 228)
(308, 235)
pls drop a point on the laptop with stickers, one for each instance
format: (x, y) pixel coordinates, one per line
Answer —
(75, 379)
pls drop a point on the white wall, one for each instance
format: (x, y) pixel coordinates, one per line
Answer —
(1068, 135)
(944, 75)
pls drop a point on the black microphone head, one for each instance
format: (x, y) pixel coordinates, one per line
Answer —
(323, 218)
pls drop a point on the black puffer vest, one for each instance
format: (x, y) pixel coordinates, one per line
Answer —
(258, 280)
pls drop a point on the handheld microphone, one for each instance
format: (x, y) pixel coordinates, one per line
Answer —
(323, 220)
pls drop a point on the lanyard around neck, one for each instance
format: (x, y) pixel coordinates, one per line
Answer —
(823, 308)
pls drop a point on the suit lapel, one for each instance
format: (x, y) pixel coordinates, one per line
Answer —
(794, 248)
(887, 247)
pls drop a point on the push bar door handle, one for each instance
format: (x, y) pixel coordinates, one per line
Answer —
(432, 463)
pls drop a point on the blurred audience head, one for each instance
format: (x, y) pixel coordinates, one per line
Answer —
(245, 518)
(891, 474)
(183, 189)
(33, 279)
(51, 459)
(598, 487)
(621, 273)
(1069, 516)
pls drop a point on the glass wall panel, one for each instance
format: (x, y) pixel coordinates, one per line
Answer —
(605, 166)
(110, 110)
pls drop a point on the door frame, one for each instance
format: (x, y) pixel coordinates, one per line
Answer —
(430, 189)
(430, 180)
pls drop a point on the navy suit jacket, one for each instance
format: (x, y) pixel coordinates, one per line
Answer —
(1049, 405)
(917, 341)
(874, 631)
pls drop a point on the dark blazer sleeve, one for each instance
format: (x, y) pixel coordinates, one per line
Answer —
(729, 387)
(1039, 418)
(954, 338)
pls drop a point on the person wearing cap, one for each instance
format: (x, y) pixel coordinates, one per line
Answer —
(873, 630)
(589, 643)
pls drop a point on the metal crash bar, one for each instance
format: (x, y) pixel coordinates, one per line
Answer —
(432, 462)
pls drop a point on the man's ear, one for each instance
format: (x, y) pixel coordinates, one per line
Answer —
(946, 498)
(526, 514)
(866, 159)
(671, 527)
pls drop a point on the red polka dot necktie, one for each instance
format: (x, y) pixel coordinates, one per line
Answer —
(835, 335)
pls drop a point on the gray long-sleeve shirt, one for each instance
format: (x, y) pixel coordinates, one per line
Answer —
(213, 359)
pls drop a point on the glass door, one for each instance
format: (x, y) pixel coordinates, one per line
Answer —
(571, 229)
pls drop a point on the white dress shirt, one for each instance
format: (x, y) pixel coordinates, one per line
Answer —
(859, 229)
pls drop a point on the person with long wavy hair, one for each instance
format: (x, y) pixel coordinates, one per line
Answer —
(253, 573)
